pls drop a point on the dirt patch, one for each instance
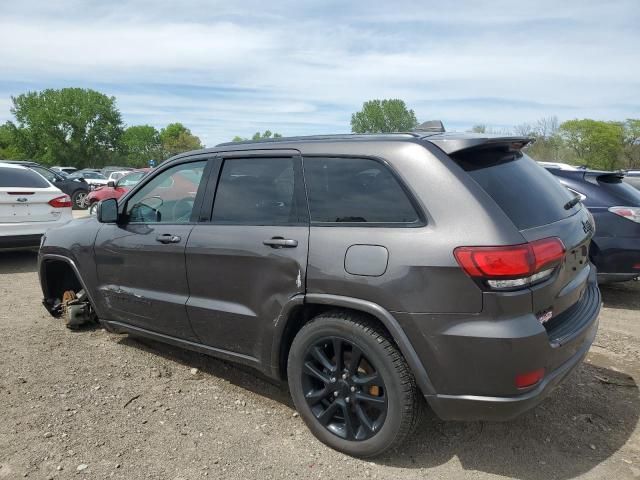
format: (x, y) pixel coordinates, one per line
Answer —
(91, 404)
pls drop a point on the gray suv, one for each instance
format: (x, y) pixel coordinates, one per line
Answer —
(368, 271)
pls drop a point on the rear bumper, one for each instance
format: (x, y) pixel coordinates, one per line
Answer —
(473, 362)
(20, 241)
(472, 407)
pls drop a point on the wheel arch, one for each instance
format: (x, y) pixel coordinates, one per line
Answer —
(301, 309)
(58, 273)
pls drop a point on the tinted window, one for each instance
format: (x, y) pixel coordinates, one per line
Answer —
(49, 175)
(355, 190)
(257, 192)
(18, 177)
(525, 191)
(169, 197)
(626, 194)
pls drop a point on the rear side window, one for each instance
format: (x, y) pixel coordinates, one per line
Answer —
(258, 191)
(528, 194)
(355, 190)
(18, 177)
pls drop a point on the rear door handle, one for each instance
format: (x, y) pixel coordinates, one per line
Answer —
(279, 242)
(168, 238)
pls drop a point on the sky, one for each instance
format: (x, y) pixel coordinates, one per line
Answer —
(226, 68)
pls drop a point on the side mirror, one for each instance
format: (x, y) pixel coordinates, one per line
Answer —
(111, 184)
(107, 211)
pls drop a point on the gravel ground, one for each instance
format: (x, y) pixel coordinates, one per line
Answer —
(92, 404)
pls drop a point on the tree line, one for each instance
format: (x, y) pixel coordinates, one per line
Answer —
(84, 128)
(607, 145)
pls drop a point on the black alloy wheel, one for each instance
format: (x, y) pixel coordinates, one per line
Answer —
(343, 389)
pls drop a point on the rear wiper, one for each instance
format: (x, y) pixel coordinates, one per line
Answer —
(572, 203)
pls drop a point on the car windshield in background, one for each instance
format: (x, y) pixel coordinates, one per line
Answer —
(130, 180)
(528, 194)
(17, 177)
(90, 175)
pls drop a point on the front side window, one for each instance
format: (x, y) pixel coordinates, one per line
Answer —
(257, 191)
(169, 197)
(355, 190)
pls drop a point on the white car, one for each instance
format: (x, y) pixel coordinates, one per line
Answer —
(29, 206)
(94, 179)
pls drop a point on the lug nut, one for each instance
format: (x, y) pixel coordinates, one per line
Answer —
(333, 379)
(335, 394)
(347, 399)
(344, 376)
(353, 389)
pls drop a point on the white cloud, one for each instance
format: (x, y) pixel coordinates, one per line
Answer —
(225, 68)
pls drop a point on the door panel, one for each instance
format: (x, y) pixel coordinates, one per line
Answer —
(143, 281)
(141, 261)
(239, 285)
(250, 259)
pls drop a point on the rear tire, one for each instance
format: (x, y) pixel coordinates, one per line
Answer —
(78, 198)
(362, 410)
(93, 208)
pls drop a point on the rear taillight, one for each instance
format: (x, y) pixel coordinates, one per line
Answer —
(630, 213)
(61, 202)
(512, 266)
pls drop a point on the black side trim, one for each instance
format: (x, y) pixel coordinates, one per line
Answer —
(179, 342)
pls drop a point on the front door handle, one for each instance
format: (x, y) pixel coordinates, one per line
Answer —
(279, 242)
(168, 238)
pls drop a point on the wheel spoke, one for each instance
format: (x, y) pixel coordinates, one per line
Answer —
(315, 396)
(348, 423)
(310, 369)
(365, 397)
(338, 352)
(364, 418)
(328, 413)
(354, 361)
(321, 357)
(368, 380)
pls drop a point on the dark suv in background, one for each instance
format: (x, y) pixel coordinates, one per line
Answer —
(368, 271)
(615, 205)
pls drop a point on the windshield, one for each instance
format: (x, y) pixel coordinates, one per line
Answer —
(91, 175)
(21, 177)
(130, 180)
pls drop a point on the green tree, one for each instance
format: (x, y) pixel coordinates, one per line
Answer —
(383, 116)
(480, 128)
(9, 149)
(258, 136)
(595, 144)
(631, 143)
(139, 144)
(176, 138)
(71, 126)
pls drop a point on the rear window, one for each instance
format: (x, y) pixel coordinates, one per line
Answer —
(18, 177)
(623, 190)
(528, 194)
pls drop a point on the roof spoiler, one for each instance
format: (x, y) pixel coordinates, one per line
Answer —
(454, 144)
(593, 176)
